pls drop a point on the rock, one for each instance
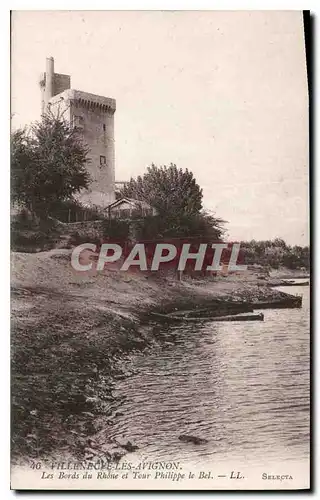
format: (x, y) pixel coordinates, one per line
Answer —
(130, 447)
(192, 439)
(127, 445)
(117, 456)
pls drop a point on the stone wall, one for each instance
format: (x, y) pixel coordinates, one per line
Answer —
(88, 229)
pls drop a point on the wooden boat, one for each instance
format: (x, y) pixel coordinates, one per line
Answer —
(218, 310)
(289, 302)
(234, 317)
(274, 283)
(293, 283)
(240, 317)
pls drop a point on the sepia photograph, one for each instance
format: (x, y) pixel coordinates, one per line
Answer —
(160, 250)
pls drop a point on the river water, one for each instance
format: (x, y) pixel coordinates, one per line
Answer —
(244, 387)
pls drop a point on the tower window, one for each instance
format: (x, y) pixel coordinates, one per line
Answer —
(102, 160)
(78, 122)
(104, 127)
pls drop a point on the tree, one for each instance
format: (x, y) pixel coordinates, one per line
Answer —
(48, 164)
(178, 199)
(22, 158)
(166, 188)
(275, 253)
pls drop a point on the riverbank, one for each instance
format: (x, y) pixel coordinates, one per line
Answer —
(69, 333)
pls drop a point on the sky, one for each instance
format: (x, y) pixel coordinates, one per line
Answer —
(222, 93)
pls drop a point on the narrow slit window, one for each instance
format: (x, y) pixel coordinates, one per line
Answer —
(78, 122)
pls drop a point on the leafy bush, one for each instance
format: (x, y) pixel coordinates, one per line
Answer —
(31, 234)
(116, 229)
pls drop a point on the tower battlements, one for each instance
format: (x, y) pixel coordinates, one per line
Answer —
(86, 100)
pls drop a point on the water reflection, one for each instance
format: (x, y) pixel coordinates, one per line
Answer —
(242, 386)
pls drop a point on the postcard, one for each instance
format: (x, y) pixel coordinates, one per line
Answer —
(160, 276)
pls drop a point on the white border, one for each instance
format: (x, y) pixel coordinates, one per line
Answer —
(163, 5)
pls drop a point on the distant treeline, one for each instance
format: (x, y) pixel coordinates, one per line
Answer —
(275, 253)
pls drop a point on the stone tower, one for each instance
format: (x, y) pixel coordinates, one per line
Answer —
(93, 116)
